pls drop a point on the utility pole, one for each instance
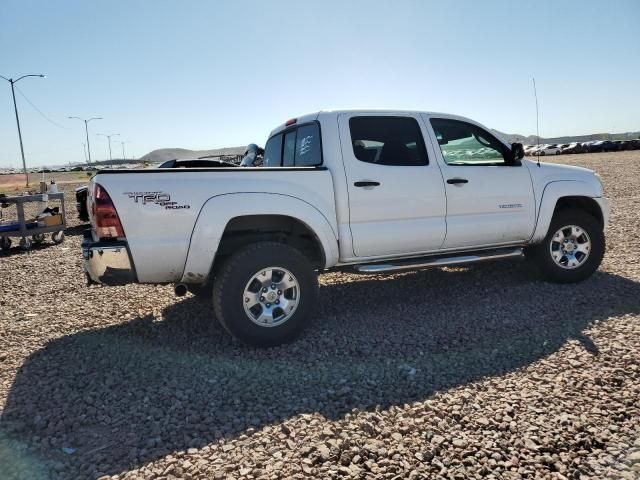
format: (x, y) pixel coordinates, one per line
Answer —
(84, 152)
(15, 107)
(86, 131)
(109, 138)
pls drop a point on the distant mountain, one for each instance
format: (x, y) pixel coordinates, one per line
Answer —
(164, 154)
(532, 139)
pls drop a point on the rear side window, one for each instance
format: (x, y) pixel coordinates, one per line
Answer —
(299, 147)
(386, 140)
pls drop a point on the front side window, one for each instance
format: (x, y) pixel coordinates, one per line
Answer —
(385, 140)
(463, 143)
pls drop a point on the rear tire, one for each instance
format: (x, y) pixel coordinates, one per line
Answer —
(572, 249)
(265, 294)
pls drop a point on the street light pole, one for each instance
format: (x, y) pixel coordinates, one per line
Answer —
(109, 138)
(124, 157)
(86, 131)
(15, 107)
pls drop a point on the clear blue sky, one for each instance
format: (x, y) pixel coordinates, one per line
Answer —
(206, 74)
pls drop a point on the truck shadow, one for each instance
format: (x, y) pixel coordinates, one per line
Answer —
(132, 393)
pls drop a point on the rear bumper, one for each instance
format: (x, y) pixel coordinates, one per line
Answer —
(108, 263)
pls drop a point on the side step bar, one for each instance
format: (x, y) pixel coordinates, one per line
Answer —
(426, 262)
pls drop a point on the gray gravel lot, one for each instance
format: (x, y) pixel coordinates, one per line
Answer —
(480, 372)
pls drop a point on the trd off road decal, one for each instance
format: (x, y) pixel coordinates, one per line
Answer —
(156, 198)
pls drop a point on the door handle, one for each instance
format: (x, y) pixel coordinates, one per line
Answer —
(457, 181)
(366, 184)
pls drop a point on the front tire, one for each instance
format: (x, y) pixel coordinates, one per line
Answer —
(265, 294)
(572, 249)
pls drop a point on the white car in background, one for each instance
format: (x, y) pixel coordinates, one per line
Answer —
(548, 150)
(530, 149)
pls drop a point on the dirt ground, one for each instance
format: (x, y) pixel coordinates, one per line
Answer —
(15, 184)
(478, 372)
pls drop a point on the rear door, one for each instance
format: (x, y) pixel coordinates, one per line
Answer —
(490, 198)
(396, 194)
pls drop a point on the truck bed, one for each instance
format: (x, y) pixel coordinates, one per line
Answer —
(159, 208)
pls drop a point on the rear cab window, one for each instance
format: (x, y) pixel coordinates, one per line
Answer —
(289, 149)
(299, 146)
(273, 152)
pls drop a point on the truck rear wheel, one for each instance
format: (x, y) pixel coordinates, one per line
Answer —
(265, 294)
(572, 249)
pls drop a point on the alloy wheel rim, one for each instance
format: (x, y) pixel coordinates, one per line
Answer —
(271, 296)
(570, 247)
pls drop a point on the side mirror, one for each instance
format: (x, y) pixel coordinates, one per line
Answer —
(517, 151)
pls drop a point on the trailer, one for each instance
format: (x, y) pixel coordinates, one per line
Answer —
(32, 231)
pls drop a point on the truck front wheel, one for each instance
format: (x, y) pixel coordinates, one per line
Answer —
(265, 294)
(572, 249)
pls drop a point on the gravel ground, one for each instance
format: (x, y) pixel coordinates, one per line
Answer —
(480, 372)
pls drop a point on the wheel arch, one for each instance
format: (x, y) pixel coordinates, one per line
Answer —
(587, 204)
(245, 229)
(230, 221)
(567, 194)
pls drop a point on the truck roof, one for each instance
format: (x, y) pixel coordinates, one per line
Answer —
(309, 117)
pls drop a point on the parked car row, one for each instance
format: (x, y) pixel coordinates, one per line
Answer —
(582, 147)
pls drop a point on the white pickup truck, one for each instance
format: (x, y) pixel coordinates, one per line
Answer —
(380, 191)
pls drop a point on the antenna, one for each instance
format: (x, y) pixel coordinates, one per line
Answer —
(535, 94)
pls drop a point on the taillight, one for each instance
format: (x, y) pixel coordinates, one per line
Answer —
(107, 221)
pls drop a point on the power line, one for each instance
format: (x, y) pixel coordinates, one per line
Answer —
(39, 111)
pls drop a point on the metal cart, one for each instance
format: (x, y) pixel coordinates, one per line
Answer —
(30, 233)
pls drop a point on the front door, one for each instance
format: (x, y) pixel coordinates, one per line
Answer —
(490, 197)
(396, 194)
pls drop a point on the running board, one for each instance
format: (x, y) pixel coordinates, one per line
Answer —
(427, 262)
